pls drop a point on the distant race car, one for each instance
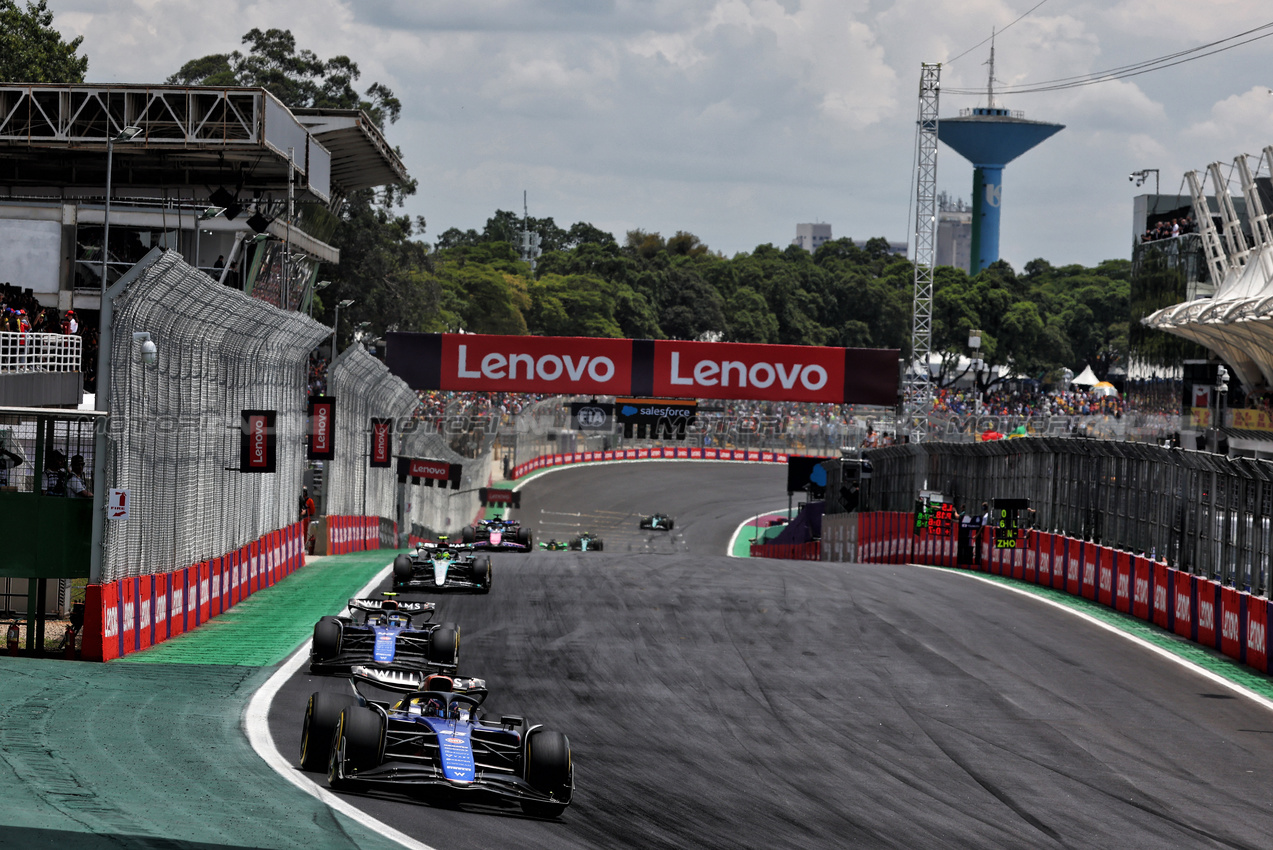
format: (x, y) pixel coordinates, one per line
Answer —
(658, 522)
(586, 542)
(554, 546)
(442, 566)
(498, 535)
(384, 631)
(433, 739)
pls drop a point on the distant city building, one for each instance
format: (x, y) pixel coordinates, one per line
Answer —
(954, 232)
(811, 236)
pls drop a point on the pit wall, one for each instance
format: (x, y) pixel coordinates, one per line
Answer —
(665, 453)
(131, 614)
(1224, 618)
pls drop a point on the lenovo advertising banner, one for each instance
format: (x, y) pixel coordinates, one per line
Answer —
(625, 367)
(381, 443)
(425, 471)
(258, 442)
(321, 444)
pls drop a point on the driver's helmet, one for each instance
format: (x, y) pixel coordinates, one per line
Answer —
(433, 708)
(444, 556)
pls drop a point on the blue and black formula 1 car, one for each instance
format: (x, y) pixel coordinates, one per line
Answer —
(442, 566)
(433, 740)
(384, 631)
(586, 542)
(498, 535)
(658, 522)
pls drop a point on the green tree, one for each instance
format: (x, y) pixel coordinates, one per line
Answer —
(32, 50)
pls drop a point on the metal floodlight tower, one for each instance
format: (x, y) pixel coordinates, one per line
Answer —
(990, 137)
(918, 401)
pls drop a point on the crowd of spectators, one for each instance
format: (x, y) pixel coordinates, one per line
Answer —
(1169, 227)
(1028, 402)
(317, 374)
(21, 312)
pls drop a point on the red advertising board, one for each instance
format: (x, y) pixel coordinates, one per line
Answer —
(1142, 588)
(205, 591)
(438, 470)
(1105, 576)
(321, 443)
(1231, 631)
(1208, 601)
(176, 603)
(1073, 566)
(1182, 604)
(381, 443)
(624, 367)
(1257, 630)
(1123, 581)
(145, 610)
(127, 615)
(160, 631)
(1162, 595)
(1091, 561)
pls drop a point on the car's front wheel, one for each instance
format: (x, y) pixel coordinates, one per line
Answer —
(321, 717)
(548, 769)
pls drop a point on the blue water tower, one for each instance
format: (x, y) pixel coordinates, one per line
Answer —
(990, 138)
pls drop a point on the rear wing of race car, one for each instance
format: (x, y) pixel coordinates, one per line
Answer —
(410, 679)
(375, 606)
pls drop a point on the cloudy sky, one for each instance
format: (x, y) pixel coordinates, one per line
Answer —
(736, 119)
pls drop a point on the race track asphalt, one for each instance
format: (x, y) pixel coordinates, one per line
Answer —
(714, 702)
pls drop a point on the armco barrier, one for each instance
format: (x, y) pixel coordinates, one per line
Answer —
(136, 612)
(788, 551)
(656, 453)
(1217, 616)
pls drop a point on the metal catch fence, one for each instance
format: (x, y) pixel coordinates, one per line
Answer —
(175, 424)
(363, 388)
(1205, 513)
(440, 509)
(33, 352)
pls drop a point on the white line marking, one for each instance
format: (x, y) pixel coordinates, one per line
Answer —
(749, 521)
(256, 724)
(1110, 627)
(558, 513)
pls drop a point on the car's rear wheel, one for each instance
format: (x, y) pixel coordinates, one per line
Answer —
(321, 716)
(548, 770)
(327, 638)
(671, 523)
(468, 535)
(523, 537)
(598, 545)
(444, 644)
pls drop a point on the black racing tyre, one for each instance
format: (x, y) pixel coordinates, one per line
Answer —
(321, 716)
(468, 535)
(402, 569)
(482, 574)
(444, 644)
(598, 545)
(548, 770)
(523, 536)
(327, 638)
(364, 731)
(671, 524)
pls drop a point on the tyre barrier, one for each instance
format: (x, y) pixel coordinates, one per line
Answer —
(664, 453)
(811, 551)
(135, 613)
(1227, 619)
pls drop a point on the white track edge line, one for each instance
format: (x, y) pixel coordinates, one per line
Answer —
(737, 531)
(257, 726)
(1216, 678)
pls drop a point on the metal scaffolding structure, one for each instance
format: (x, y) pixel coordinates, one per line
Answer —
(918, 381)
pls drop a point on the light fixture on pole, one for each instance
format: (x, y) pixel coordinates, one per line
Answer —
(1139, 177)
(336, 323)
(314, 289)
(101, 391)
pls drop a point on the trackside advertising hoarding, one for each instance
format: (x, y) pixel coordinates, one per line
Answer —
(625, 367)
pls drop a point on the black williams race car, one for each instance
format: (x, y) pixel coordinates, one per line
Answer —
(384, 631)
(658, 522)
(433, 739)
(442, 566)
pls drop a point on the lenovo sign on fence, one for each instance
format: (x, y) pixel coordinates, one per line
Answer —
(624, 367)
(381, 443)
(258, 443)
(322, 421)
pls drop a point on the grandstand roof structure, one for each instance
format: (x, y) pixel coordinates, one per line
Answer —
(1237, 321)
(54, 138)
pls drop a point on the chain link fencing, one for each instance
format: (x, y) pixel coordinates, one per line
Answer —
(1205, 513)
(363, 388)
(175, 425)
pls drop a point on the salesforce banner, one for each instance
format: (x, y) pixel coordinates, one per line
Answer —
(625, 367)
